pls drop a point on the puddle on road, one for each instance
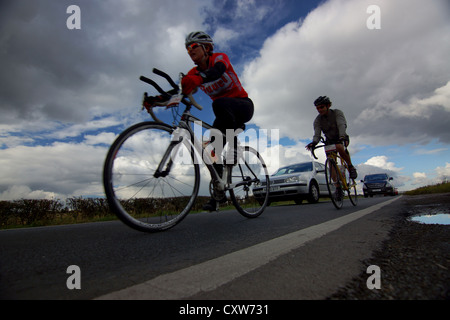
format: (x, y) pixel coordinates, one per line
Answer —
(440, 218)
(431, 214)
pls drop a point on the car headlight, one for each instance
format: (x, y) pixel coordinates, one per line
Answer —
(292, 179)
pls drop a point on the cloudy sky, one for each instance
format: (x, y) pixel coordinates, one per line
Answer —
(66, 93)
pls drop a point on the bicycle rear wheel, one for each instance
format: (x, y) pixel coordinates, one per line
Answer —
(251, 179)
(351, 184)
(141, 199)
(334, 183)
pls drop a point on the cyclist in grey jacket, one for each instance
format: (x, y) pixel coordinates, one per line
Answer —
(333, 124)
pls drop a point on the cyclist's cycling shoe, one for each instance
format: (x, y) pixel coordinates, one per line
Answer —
(353, 173)
(213, 204)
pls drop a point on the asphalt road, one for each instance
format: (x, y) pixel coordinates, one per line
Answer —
(289, 252)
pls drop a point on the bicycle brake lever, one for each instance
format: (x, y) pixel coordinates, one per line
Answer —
(314, 155)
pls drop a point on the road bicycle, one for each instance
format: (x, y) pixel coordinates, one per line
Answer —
(337, 176)
(152, 170)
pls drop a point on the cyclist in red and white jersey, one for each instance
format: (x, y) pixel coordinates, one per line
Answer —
(215, 76)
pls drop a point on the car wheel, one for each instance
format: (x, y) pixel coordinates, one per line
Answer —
(313, 196)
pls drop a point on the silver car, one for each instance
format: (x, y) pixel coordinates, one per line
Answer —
(297, 182)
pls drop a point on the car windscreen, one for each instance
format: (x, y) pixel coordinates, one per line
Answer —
(302, 167)
(376, 177)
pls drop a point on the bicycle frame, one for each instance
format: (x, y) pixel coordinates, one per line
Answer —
(185, 123)
(331, 152)
(337, 174)
(192, 143)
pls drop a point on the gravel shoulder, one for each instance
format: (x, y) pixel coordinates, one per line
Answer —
(414, 261)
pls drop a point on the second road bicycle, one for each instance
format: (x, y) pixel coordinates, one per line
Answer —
(337, 176)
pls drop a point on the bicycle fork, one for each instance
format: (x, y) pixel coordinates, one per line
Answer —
(167, 159)
(160, 172)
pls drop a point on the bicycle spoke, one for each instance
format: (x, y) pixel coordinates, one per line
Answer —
(335, 190)
(141, 199)
(351, 188)
(248, 195)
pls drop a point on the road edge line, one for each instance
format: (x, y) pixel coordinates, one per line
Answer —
(211, 274)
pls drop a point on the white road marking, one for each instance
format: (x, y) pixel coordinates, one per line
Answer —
(212, 274)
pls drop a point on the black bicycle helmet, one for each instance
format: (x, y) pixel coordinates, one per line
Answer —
(322, 100)
(199, 37)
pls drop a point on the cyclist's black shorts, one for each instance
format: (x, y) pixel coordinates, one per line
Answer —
(232, 113)
(335, 141)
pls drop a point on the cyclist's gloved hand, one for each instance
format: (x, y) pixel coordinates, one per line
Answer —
(310, 145)
(148, 102)
(190, 82)
(345, 141)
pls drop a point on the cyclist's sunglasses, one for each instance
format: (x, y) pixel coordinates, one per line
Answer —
(192, 46)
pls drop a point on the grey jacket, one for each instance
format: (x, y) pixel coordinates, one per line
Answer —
(333, 125)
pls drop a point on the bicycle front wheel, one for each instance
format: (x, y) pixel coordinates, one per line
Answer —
(250, 180)
(140, 197)
(334, 183)
(351, 187)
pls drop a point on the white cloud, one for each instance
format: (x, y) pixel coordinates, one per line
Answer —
(75, 130)
(382, 162)
(420, 179)
(246, 8)
(24, 192)
(374, 76)
(52, 73)
(61, 168)
(440, 174)
(443, 173)
(222, 36)
(439, 99)
(58, 84)
(419, 175)
(106, 138)
(423, 151)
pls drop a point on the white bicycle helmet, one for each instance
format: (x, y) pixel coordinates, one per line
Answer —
(199, 37)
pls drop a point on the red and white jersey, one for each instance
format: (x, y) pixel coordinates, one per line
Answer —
(226, 86)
